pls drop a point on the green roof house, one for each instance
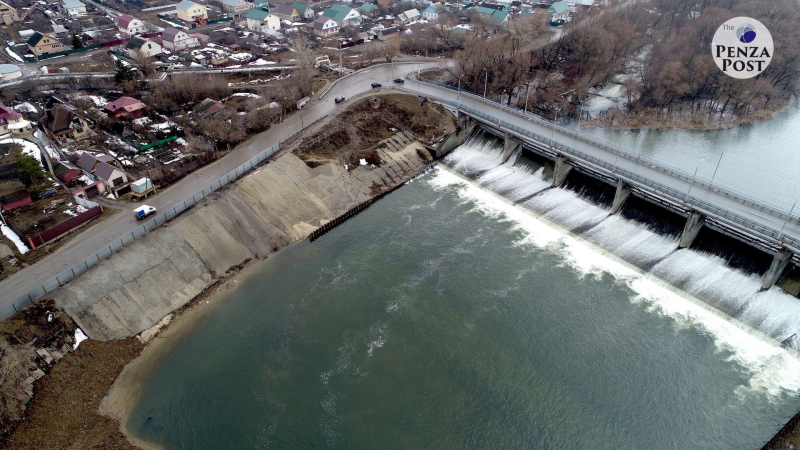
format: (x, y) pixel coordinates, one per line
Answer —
(345, 16)
(306, 11)
(558, 11)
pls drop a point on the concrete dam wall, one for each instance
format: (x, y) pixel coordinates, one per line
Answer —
(278, 204)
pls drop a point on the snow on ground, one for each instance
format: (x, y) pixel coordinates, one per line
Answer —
(261, 62)
(14, 55)
(163, 126)
(28, 147)
(79, 337)
(245, 94)
(25, 107)
(98, 100)
(362, 161)
(243, 56)
(142, 121)
(181, 141)
(7, 232)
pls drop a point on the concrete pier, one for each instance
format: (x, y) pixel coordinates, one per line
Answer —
(510, 145)
(623, 190)
(693, 225)
(775, 270)
(561, 170)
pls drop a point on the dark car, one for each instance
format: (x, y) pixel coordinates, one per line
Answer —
(49, 192)
(338, 99)
(376, 85)
(399, 80)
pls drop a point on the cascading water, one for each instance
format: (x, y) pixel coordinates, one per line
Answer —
(731, 291)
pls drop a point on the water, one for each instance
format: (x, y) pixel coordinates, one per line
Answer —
(759, 160)
(449, 316)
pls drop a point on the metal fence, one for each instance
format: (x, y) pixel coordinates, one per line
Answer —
(623, 152)
(113, 247)
(679, 197)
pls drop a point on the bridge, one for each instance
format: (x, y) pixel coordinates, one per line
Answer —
(703, 204)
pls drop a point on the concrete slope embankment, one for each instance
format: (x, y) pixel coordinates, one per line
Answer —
(280, 203)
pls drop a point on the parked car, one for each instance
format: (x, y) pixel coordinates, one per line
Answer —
(399, 80)
(376, 85)
(338, 99)
(143, 211)
(49, 192)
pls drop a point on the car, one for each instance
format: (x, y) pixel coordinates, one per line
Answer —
(143, 211)
(49, 192)
(376, 85)
(338, 99)
(399, 80)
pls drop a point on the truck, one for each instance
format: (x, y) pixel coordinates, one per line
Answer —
(143, 211)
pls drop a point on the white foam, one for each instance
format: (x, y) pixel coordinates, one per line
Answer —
(771, 368)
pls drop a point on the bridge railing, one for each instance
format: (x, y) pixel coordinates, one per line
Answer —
(618, 150)
(630, 176)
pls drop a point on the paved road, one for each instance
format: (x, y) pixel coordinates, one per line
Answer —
(119, 225)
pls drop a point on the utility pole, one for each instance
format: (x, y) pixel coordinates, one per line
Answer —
(485, 81)
(458, 97)
(527, 92)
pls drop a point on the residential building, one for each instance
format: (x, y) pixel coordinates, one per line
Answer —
(306, 11)
(325, 27)
(191, 12)
(287, 12)
(9, 72)
(495, 15)
(433, 11)
(558, 11)
(67, 172)
(259, 20)
(345, 16)
(129, 24)
(411, 15)
(236, 6)
(12, 121)
(175, 39)
(43, 44)
(8, 14)
(208, 108)
(138, 46)
(15, 200)
(64, 121)
(367, 9)
(125, 108)
(101, 167)
(74, 7)
(386, 3)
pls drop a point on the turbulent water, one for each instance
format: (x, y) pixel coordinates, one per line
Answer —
(483, 312)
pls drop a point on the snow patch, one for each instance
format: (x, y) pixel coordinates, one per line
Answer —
(9, 233)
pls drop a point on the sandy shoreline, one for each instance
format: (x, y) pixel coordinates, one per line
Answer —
(125, 393)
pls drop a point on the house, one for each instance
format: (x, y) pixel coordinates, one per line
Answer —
(259, 19)
(64, 121)
(43, 44)
(411, 15)
(558, 11)
(67, 172)
(15, 200)
(138, 46)
(287, 12)
(9, 72)
(493, 14)
(236, 6)
(191, 12)
(129, 24)
(367, 9)
(125, 107)
(433, 11)
(175, 39)
(305, 11)
(389, 4)
(208, 108)
(88, 40)
(345, 16)
(74, 7)
(325, 27)
(100, 166)
(12, 121)
(8, 14)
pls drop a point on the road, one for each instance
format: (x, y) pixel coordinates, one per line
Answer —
(119, 225)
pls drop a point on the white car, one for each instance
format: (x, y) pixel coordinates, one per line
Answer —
(143, 211)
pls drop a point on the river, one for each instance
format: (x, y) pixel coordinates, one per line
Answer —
(482, 312)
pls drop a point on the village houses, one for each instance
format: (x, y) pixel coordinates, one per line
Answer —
(43, 44)
(191, 12)
(129, 24)
(325, 27)
(236, 6)
(175, 39)
(259, 20)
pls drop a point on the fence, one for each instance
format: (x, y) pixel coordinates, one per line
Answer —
(107, 250)
(623, 152)
(63, 227)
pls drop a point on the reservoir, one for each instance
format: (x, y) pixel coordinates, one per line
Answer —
(476, 308)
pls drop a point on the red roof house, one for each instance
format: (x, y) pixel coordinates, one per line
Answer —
(67, 172)
(126, 107)
(15, 200)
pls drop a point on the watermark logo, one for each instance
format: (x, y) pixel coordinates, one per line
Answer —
(742, 47)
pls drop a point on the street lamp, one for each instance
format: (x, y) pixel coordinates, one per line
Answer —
(780, 236)
(485, 81)
(716, 168)
(36, 227)
(527, 91)
(503, 95)
(458, 97)
(580, 115)
(694, 176)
